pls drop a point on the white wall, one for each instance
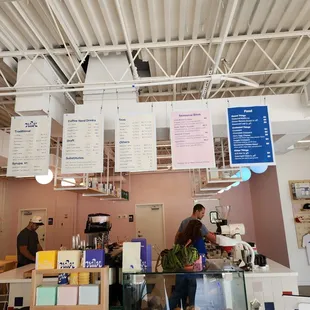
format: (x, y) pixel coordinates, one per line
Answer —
(294, 165)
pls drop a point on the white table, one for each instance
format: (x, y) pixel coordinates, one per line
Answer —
(20, 287)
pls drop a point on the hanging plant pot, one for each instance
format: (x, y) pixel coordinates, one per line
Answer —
(188, 268)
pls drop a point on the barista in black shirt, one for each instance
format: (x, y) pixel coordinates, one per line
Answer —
(28, 243)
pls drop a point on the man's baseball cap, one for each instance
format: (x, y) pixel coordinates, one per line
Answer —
(37, 220)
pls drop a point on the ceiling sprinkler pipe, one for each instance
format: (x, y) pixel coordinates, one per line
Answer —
(241, 81)
(141, 83)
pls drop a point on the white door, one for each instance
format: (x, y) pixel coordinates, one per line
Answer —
(150, 225)
(25, 217)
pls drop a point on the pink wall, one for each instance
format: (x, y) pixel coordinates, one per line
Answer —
(28, 194)
(171, 189)
(239, 198)
(268, 219)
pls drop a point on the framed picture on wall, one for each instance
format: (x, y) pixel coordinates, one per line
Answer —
(300, 190)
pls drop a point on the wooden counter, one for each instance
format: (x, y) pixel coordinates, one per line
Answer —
(6, 265)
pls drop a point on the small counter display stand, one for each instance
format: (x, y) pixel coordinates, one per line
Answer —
(37, 280)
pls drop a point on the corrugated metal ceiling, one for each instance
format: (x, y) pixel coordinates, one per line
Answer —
(267, 41)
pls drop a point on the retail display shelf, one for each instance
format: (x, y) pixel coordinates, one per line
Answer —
(81, 307)
(87, 191)
(37, 280)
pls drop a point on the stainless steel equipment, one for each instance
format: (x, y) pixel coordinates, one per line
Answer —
(97, 230)
(235, 231)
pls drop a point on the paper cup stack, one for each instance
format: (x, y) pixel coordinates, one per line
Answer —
(84, 278)
(74, 279)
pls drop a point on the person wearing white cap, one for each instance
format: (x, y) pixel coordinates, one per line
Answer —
(28, 243)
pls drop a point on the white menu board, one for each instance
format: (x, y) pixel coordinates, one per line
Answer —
(82, 144)
(29, 149)
(135, 143)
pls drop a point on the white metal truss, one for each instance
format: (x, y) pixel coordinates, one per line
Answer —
(157, 45)
(193, 48)
(166, 79)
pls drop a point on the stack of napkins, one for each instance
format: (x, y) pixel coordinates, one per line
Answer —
(94, 259)
(46, 260)
(69, 259)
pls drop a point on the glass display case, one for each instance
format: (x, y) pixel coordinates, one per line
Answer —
(208, 290)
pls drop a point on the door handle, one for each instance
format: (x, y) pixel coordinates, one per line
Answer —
(140, 236)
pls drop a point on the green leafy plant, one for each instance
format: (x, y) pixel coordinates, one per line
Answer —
(177, 258)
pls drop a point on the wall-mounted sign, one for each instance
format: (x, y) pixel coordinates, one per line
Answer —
(192, 143)
(300, 190)
(135, 143)
(249, 134)
(29, 147)
(82, 146)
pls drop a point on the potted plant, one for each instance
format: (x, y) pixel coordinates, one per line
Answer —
(178, 258)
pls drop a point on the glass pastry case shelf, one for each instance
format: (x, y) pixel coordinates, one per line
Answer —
(206, 290)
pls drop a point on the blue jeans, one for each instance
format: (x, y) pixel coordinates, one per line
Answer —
(185, 286)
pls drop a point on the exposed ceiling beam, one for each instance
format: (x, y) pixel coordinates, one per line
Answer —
(32, 39)
(229, 14)
(233, 88)
(138, 16)
(9, 74)
(94, 16)
(167, 13)
(196, 25)
(81, 21)
(67, 24)
(153, 23)
(126, 37)
(152, 45)
(108, 20)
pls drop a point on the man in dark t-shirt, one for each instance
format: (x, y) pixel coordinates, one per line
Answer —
(28, 243)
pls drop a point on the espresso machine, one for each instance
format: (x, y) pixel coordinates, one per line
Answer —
(98, 227)
(235, 231)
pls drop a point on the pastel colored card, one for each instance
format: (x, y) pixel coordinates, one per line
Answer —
(46, 260)
(143, 248)
(69, 259)
(89, 294)
(46, 295)
(131, 257)
(67, 295)
(94, 259)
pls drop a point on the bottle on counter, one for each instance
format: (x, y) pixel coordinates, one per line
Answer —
(100, 187)
(94, 183)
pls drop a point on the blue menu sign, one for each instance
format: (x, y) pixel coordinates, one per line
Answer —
(249, 135)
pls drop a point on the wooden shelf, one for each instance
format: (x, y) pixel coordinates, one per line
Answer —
(66, 270)
(81, 307)
(37, 280)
